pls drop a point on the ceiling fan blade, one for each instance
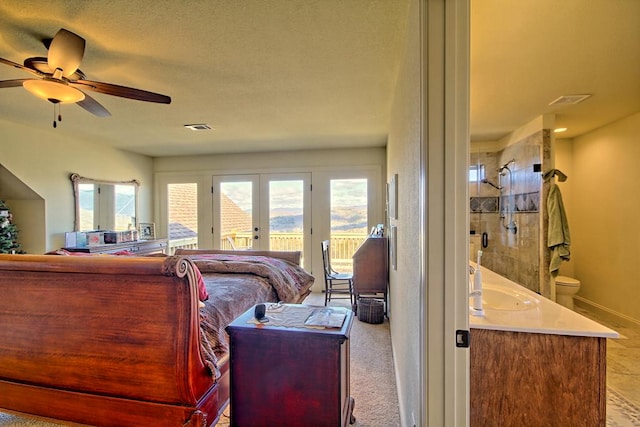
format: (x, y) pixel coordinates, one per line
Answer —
(123, 91)
(12, 83)
(66, 52)
(93, 106)
(22, 67)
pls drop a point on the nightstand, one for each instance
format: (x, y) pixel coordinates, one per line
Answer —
(289, 376)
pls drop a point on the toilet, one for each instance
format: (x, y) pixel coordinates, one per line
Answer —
(566, 288)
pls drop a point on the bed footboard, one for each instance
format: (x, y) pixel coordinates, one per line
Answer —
(104, 341)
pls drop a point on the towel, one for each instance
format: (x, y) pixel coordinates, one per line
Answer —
(554, 172)
(558, 238)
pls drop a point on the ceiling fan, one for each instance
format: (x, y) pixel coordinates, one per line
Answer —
(59, 80)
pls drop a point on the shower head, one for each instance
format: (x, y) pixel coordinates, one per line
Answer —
(486, 181)
(505, 166)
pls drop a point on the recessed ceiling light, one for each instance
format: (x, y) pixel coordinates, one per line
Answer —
(198, 126)
(558, 130)
(569, 99)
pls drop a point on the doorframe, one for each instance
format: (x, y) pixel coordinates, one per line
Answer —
(444, 92)
(321, 221)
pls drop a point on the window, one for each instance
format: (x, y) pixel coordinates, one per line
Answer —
(183, 215)
(349, 202)
(476, 173)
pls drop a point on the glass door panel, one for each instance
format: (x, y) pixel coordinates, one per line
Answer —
(286, 213)
(235, 207)
(262, 212)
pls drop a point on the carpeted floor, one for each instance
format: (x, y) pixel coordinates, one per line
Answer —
(373, 382)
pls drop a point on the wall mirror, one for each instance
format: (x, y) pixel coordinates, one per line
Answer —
(104, 205)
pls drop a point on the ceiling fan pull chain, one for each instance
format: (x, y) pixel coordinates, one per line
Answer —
(55, 125)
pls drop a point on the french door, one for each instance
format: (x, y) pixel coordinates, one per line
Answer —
(262, 212)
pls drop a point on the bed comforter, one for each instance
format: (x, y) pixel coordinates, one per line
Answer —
(234, 283)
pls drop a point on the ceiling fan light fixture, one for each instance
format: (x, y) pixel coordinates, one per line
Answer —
(53, 90)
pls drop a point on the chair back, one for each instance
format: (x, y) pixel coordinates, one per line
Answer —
(326, 261)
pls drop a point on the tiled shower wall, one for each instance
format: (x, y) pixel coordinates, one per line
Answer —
(516, 256)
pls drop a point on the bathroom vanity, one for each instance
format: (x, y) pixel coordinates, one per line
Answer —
(535, 362)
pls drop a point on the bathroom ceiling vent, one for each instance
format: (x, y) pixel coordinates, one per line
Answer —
(198, 127)
(569, 99)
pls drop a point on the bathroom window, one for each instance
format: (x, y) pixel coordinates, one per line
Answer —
(476, 173)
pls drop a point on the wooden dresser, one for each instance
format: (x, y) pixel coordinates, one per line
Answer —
(287, 376)
(138, 247)
(371, 269)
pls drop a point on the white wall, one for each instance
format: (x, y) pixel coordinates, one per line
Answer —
(280, 160)
(403, 158)
(602, 202)
(43, 158)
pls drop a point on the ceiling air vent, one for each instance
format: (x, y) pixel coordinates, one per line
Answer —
(200, 126)
(569, 99)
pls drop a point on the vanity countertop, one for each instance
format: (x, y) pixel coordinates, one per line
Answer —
(545, 317)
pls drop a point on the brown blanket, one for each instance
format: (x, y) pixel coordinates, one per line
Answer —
(237, 282)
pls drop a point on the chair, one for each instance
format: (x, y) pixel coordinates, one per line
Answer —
(334, 282)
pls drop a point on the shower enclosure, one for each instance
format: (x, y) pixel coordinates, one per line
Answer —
(507, 218)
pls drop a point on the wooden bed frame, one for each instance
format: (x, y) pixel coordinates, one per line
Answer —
(105, 341)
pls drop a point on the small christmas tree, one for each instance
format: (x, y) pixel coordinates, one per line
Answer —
(8, 232)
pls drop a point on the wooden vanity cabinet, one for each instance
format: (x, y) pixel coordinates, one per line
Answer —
(533, 379)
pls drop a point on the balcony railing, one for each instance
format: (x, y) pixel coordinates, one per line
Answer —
(189, 243)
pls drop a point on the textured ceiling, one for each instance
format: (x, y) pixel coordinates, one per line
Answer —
(303, 74)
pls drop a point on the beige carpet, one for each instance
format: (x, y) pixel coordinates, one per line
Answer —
(373, 384)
